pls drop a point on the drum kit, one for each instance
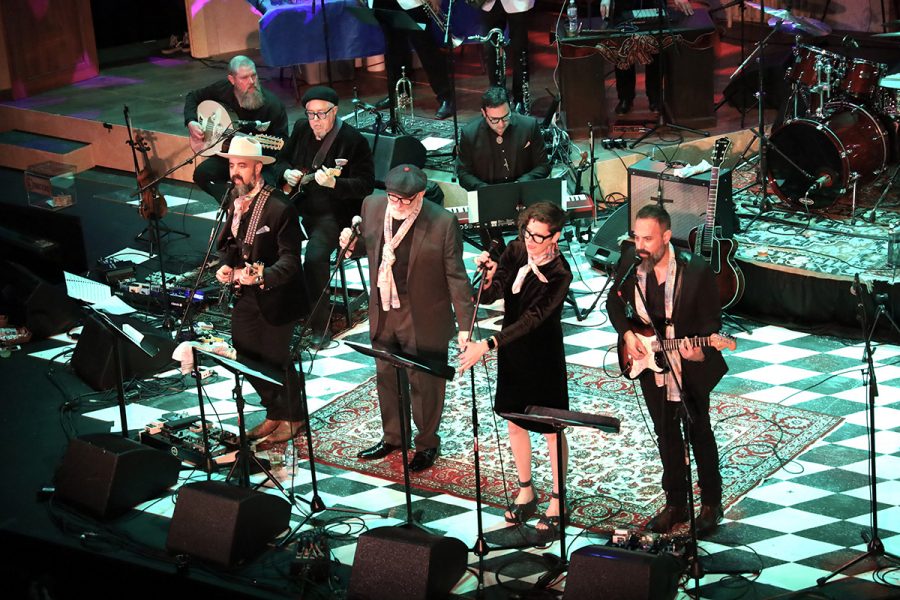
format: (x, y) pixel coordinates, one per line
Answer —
(837, 132)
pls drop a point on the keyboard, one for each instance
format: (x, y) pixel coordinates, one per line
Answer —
(576, 203)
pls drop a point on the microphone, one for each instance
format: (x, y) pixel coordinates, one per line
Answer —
(355, 223)
(637, 260)
(823, 181)
(482, 268)
(251, 126)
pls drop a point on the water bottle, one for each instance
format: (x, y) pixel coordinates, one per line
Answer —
(288, 462)
(572, 19)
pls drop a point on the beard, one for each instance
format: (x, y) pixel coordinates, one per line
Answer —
(241, 188)
(651, 260)
(252, 99)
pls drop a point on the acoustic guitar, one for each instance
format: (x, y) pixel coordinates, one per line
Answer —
(216, 122)
(707, 241)
(632, 368)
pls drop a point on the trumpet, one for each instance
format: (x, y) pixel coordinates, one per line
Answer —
(440, 19)
(403, 99)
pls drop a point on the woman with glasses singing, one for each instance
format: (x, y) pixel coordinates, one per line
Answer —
(533, 279)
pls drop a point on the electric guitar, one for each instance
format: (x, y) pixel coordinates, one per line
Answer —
(706, 240)
(294, 191)
(215, 121)
(632, 368)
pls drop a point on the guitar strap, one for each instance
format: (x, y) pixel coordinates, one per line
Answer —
(319, 158)
(258, 206)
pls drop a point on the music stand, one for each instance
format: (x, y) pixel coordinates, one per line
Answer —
(131, 335)
(560, 419)
(402, 361)
(247, 368)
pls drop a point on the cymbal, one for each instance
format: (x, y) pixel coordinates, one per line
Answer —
(793, 24)
(887, 35)
(890, 81)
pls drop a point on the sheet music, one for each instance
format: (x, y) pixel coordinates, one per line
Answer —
(86, 290)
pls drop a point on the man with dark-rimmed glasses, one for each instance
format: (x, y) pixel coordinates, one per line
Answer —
(326, 190)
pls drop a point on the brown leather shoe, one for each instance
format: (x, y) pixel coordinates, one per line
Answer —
(709, 518)
(668, 518)
(285, 431)
(262, 430)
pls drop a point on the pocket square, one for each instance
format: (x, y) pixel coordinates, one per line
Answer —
(528, 143)
(262, 229)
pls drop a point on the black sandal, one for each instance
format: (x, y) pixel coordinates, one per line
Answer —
(548, 526)
(517, 514)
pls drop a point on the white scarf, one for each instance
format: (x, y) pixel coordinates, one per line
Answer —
(242, 205)
(387, 287)
(672, 390)
(532, 267)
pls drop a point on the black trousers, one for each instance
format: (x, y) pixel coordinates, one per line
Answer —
(666, 418)
(323, 231)
(397, 53)
(516, 52)
(626, 80)
(254, 338)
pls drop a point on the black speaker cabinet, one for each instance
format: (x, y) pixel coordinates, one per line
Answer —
(225, 524)
(611, 572)
(684, 199)
(93, 358)
(49, 311)
(603, 250)
(401, 562)
(105, 474)
(388, 151)
(582, 88)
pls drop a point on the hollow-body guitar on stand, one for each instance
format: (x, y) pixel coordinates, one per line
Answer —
(631, 368)
(707, 241)
(216, 123)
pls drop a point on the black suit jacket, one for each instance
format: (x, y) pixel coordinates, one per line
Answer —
(697, 312)
(525, 151)
(436, 280)
(277, 245)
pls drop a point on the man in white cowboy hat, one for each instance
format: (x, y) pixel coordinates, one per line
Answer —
(261, 227)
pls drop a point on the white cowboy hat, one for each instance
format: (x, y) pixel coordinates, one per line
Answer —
(245, 146)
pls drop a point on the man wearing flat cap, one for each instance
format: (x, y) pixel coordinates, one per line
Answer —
(327, 168)
(242, 94)
(418, 283)
(262, 228)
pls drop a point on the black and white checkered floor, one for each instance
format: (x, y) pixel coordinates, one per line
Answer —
(793, 528)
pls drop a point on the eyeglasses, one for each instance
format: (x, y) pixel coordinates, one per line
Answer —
(318, 114)
(404, 201)
(540, 239)
(495, 120)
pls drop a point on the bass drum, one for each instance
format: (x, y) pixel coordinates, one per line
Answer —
(848, 144)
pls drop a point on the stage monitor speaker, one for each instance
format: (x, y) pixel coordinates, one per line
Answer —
(49, 311)
(612, 572)
(408, 563)
(388, 151)
(105, 474)
(93, 358)
(684, 199)
(603, 251)
(225, 524)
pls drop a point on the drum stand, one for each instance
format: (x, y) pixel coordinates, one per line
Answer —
(887, 188)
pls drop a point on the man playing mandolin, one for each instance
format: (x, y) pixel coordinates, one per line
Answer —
(677, 293)
(327, 166)
(242, 95)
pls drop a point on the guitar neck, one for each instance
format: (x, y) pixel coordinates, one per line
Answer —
(710, 222)
(673, 344)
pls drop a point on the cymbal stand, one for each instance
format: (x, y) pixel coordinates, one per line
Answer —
(887, 188)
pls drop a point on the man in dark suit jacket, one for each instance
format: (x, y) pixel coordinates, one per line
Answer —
(501, 146)
(681, 300)
(262, 228)
(418, 282)
(333, 197)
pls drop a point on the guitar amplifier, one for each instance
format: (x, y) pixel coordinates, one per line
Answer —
(685, 199)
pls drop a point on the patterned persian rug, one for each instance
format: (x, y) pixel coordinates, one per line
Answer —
(613, 477)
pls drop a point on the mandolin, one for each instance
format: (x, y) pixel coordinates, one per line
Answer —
(295, 192)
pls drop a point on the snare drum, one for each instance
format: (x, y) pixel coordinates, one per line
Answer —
(861, 78)
(816, 69)
(887, 97)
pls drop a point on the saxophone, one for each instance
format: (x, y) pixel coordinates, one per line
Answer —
(526, 91)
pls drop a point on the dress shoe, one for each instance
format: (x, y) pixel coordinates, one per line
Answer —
(667, 518)
(285, 431)
(423, 459)
(446, 109)
(709, 518)
(383, 103)
(262, 430)
(379, 450)
(624, 107)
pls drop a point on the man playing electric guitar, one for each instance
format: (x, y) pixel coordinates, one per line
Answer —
(327, 203)
(676, 292)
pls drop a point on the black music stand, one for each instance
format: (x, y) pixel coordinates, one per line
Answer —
(559, 420)
(401, 361)
(133, 336)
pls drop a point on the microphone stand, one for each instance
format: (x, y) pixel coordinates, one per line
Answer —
(451, 62)
(180, 336)
(662, 118)
(743, 42)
